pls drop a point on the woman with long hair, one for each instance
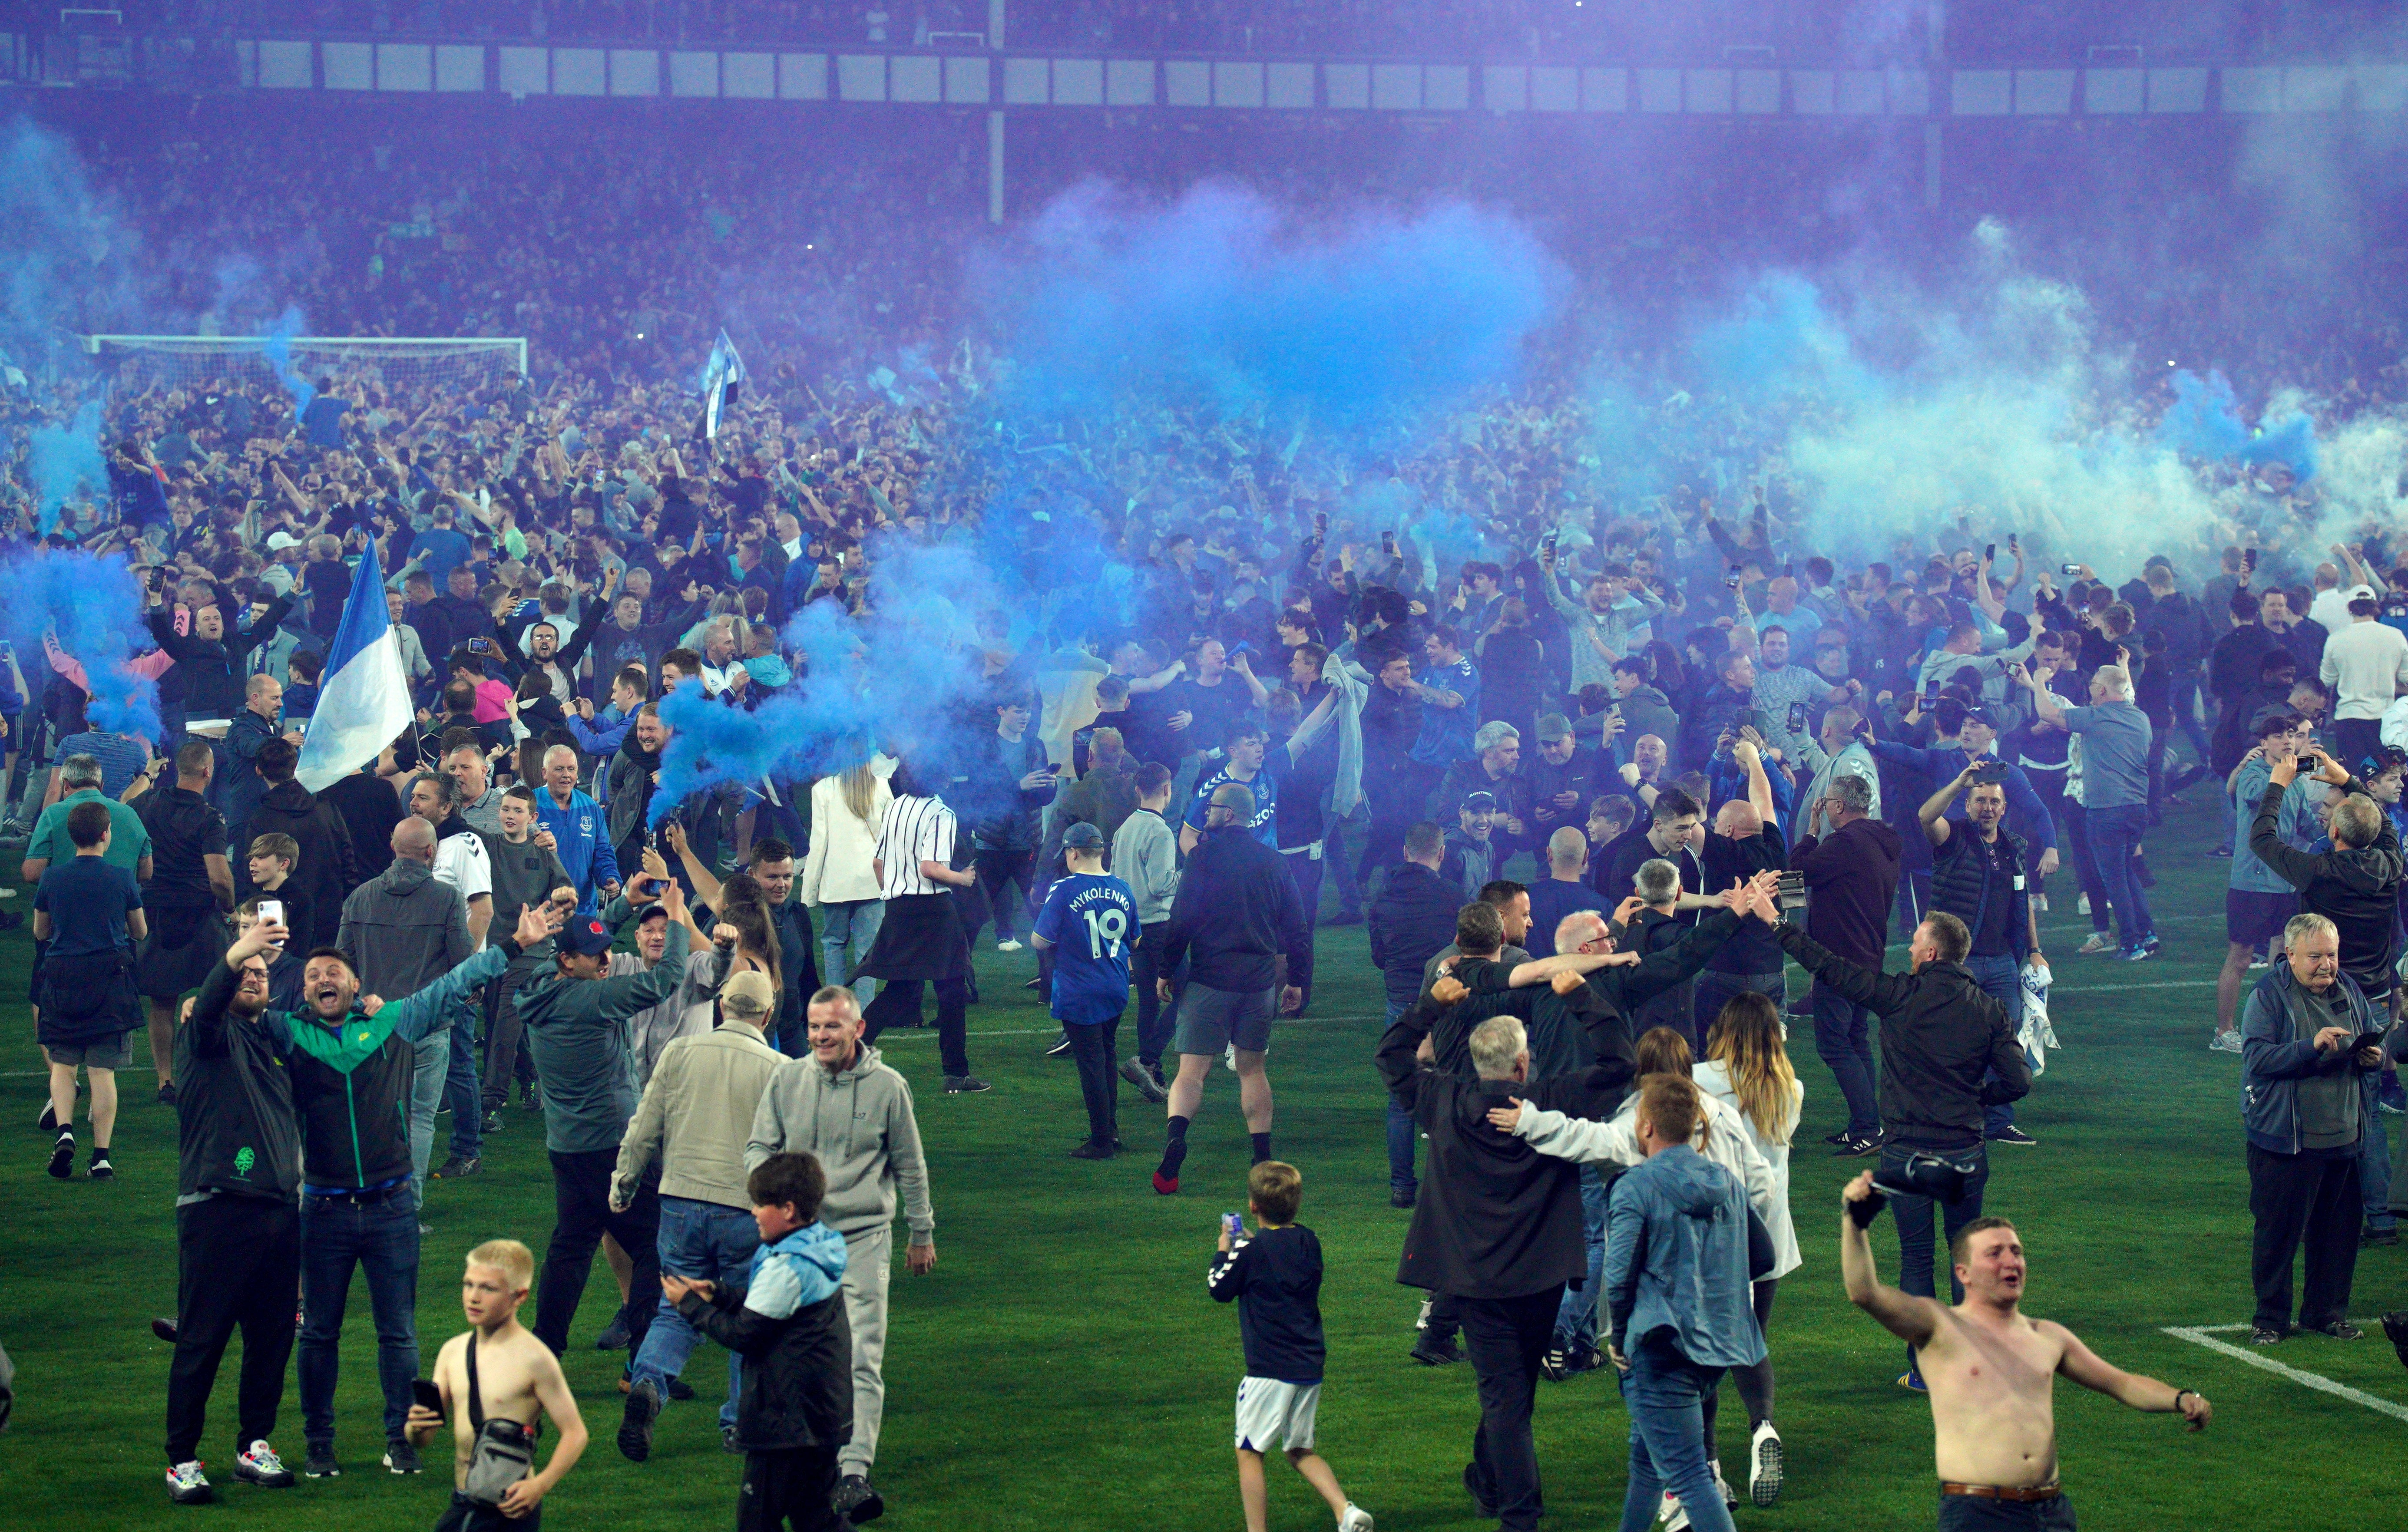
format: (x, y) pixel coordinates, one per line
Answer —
(1747, 1067)
(922, 939)
(838, 875)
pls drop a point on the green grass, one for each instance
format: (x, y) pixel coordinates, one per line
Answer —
(1064, 1368)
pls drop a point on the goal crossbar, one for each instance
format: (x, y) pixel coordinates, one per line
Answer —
(358, 345)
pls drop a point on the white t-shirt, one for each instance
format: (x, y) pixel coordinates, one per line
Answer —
(2364, 663)
(460, 860)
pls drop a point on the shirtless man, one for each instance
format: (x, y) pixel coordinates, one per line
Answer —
(1994, 1435)
(518, 1379)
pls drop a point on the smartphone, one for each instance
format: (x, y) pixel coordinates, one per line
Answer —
(1989, 552)
(271, 912)
(2249, 558)
(2070, 568)
(1797, 718)
(2013, 546)
(1233, 1225)
(1730, 580)
(422, 1391)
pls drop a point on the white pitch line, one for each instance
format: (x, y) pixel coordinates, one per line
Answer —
(2056, 990)
(2199, 1335)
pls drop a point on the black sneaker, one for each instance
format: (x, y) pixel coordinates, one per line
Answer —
(319, 1462)
(2012, 1135)
(1857, 1149)
(614, 1336)
(855, 1501)
(1839, 1137)
(1061, 1046)
(1553, 1364)
(400, 1456)
(2368, 1239)
(678, 1389)
(164, 1329)
(1438, 1354)
(167, 1093)
(1400, 1198)
(2341, 1329)
(635, 1424)
(2268, 1335)
(63, 1157)
(493, 1122)
(964, 1085)
(2395, 1328)
(458, 1167)
(727, 1441)
(1094, 1151)
(1471, 1486)
(48, 1121)
(101, 1170)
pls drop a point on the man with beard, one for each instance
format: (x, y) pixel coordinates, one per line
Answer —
(633, 773)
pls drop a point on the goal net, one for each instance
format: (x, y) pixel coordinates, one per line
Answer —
(404, 365)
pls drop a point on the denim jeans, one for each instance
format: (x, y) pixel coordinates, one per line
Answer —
(2001, 980)
(2114, 833)
(1576, 1316)
(702, 1241)
(1913, 1215)
(428, 1075)
(1844, 1040)
(460, 1083)
(849, 923)
(2375, 1178)
(378, 1235)
(1666, 1393)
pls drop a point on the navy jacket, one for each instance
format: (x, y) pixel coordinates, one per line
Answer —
(1235, 915)
(1408, 922)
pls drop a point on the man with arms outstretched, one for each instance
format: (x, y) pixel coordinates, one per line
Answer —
(1990, 1373)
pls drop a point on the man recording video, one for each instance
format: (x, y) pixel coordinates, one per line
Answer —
(1991, 1371)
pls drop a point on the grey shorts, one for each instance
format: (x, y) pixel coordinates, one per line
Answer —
(106, 1055)
(1211, 1020)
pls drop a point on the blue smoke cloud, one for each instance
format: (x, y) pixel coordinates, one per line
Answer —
(1221, 295)
(66, 463)
(94, 608)
(2205, 423)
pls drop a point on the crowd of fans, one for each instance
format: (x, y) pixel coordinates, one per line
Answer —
(1314, 681)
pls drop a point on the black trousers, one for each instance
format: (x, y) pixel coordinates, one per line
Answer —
(580, 1198)
(788, 1489)
(897, 1004)
(1971, 1513)
(1145, 968)
(238, 1265)
(2297, 1200)
(1097, 1049)
(1504, 1338)
(997, 869)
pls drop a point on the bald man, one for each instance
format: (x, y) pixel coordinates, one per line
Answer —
(1746, 839)
(1564, 889)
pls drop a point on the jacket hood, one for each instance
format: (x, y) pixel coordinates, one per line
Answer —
(405, 877)
(288, 794)
(865, 1059)
(2364, 869)
(1882, 834)
(1694, 1183)
(814, 1245)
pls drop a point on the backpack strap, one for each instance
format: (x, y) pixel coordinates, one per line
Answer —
(476, 1407)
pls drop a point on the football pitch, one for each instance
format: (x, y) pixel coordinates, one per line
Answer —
(1063, 1367)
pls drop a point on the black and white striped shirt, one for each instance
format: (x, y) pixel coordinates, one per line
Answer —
(914, 830)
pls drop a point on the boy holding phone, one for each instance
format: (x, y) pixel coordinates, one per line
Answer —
(497, 1373)
(1275, 1274)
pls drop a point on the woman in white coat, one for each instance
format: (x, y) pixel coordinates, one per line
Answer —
(838, 881)
(1747, 1069)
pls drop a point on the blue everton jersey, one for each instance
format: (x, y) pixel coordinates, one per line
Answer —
(1090, 919)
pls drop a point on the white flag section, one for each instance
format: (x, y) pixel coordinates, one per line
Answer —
(363, 696)
(720, 377)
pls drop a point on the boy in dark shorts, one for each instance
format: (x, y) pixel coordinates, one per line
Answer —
(1274, 1274)
(90, 912)
(787, 1321)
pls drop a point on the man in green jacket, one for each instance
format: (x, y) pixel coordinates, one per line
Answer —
(350, 1058)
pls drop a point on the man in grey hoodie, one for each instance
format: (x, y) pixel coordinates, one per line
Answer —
(575, 1021)
(402, 930)
(842, 1105)
(1145, 856)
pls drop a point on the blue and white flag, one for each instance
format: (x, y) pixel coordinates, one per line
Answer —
(720, 376)
(363, 696)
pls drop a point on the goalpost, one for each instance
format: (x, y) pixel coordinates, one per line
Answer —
(393, 362)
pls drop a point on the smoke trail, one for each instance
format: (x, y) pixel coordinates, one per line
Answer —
(279, 351)
(2205, 423)
(66, 463)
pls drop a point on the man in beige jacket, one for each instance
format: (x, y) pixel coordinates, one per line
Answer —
(694, 1120)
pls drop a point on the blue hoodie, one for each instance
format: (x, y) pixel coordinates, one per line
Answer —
(1676, 1259)
(795, 1272)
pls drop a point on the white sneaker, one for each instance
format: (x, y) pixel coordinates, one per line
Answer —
(261, 1466)
(1764, 1465)
(1670, 1515)
(1229, 1057)
(1421, 1320)
(1007, 945)
(2082, 905)
(1731, 1501)
(186, 1484)
(2225, 1042)
(1355, 1520)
